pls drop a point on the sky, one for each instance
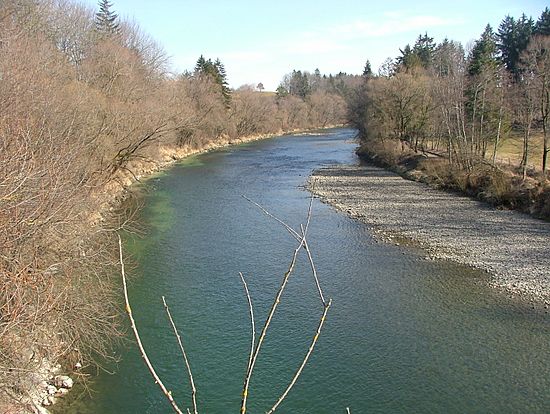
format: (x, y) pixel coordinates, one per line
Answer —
(261, 41)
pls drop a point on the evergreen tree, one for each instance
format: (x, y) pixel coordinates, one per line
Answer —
(106, 19)
(367, 70)
(215, 71)
(200, 66)
(299, 84)
(281, 91)
(221, 79)
(483, 55)
(542, 27)
(513, 38)
(407, 60)
(424, 48)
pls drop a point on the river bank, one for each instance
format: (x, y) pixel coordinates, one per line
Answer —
(41, 385)
(512, 247)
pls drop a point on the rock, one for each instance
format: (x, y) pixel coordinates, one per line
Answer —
(63, 381)
(61, 392)
(51, 390)
(41, 410)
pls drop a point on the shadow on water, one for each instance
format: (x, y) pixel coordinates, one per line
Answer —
(404, 334)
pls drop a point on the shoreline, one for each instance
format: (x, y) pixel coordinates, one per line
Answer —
(109, 197)
(512, 247)
(137, 171)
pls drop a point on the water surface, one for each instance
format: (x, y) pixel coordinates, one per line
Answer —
(404, 334)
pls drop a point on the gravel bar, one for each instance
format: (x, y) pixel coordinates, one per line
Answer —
(513, 247)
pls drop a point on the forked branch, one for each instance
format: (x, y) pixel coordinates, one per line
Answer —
(302, 239)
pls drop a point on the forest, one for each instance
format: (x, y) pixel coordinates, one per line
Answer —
(458, 106)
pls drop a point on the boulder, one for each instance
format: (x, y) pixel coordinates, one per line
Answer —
(63, 381)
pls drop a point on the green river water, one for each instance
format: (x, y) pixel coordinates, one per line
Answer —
(404, 334)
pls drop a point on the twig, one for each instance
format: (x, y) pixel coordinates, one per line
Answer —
(347, 410)
(293, 232)
(304, 362)
(253, 327)
(191, 381)
(297, 236)
(158, 381)
(312, 265)
(266, 325)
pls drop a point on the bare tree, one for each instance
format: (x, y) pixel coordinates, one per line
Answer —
(536, 62)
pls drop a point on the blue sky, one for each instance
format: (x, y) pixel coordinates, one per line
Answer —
(260, 41)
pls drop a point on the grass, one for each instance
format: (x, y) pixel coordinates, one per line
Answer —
(511, 150)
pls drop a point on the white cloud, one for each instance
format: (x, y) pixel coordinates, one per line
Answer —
(392, 23)
(343, 46)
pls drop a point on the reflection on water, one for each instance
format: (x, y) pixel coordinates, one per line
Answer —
(403, 335)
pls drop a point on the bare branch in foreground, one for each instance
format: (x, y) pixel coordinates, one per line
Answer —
(266, 325)
(297, 236)
(253, 327)
(150, 367)
(178, 337)
(301, 237)
(304, 362)
(255, 347)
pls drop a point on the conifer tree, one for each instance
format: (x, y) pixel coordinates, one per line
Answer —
(542, 27)
(106, 19)
(513, 38)
(367, 70)
(483, 55)
(221, 78)
(424, 48)
(216, 72)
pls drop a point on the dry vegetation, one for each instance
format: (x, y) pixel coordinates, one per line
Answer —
(80, 108)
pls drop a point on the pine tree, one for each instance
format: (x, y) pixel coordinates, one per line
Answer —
(513, 38)
(542, 27)
(367, 70)
(483, 55)
(216, 71)
(281, 91)
(200, 66)
(299, 84)
(424, 48)
(221, 79)
(106, 20)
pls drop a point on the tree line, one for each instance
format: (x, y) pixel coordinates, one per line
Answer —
(84, 98)
(440, 96)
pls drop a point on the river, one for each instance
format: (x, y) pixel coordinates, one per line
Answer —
(404, 334)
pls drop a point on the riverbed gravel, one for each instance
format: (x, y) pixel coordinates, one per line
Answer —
(512, 247)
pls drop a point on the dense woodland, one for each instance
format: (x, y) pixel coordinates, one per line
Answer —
(85, 97)
(461, 104)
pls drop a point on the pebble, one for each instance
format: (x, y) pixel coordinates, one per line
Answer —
(513, 247)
